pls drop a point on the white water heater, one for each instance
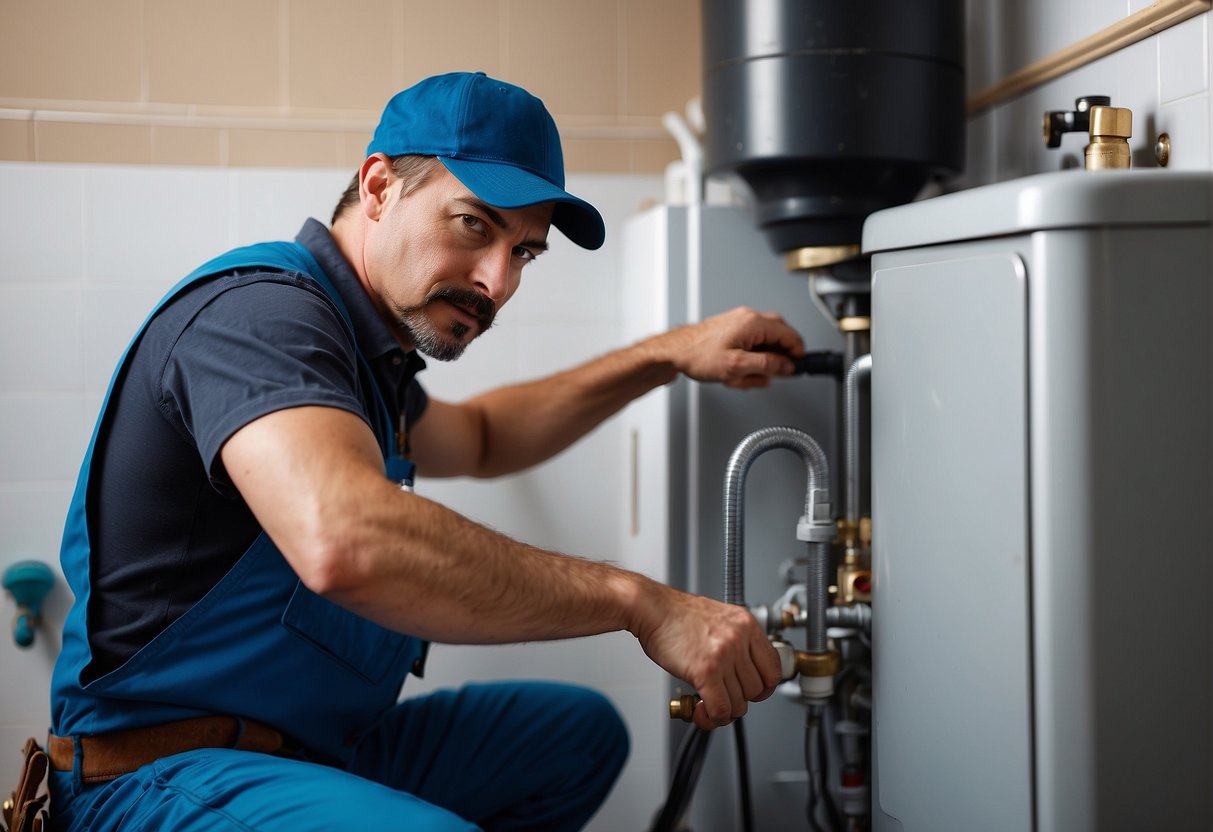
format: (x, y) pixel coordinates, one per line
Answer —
(1042, 502)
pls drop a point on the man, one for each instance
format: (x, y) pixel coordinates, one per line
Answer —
(251, 589)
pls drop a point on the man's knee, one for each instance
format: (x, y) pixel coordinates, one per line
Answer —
(594, 724)
(614, 743)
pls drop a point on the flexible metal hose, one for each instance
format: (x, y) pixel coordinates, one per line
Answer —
(861, 366)
(855, 616)
(818, 475)
(817, 588)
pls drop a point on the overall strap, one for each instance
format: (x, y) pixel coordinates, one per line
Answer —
(288, 257)
(295, 257)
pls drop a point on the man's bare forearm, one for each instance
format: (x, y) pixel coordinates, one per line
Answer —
(313, 477)
(520, 425)
(441, 576)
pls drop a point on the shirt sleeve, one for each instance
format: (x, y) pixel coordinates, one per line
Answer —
(254, 349)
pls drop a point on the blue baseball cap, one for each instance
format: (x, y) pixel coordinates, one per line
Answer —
(495, 138)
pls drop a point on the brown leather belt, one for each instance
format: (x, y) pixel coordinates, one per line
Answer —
(107, 756)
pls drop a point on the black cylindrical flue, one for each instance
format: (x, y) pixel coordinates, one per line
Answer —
(832, 109)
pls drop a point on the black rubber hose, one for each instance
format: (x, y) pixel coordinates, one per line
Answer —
(743, 778)
(691, 752)
(821, 363)
(811, 809)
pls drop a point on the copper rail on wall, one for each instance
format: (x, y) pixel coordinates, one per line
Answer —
(1140, 25)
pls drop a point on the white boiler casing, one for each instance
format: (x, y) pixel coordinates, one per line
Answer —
(1042, 495)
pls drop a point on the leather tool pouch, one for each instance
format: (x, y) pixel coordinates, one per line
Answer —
(25, 811)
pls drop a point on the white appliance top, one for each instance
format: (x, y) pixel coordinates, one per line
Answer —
(1066, 199)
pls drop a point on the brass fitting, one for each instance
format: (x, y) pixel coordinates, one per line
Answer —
(817, 671)
(848, 533)
(854, 535)
(788, 615)
(854, 580)
(817, 664)
(1162, 149)
(815, 257)
(1110, 130)
(684, 707)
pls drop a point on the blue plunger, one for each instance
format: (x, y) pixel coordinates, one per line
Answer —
(28, 581)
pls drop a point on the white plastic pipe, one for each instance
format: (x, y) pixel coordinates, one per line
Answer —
(692, 154)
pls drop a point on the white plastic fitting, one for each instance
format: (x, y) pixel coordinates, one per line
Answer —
(817, 687)
(787, 659)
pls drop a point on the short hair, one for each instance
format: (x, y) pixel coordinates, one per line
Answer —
(413, 169)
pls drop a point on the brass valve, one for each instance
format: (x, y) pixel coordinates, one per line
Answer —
(1108, 127)
(854, 580)
(1110, 130)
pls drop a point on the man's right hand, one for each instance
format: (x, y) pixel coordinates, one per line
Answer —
(717, 648)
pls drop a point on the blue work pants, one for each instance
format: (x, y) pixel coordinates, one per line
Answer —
(520, 756)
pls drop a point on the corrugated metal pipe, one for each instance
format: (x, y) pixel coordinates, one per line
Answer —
(816, 527)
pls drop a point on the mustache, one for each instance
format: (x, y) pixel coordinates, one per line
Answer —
(481, 307)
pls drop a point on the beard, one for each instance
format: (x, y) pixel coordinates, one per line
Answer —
(449, 343)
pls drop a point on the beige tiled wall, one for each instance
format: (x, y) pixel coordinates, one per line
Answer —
(300, 83)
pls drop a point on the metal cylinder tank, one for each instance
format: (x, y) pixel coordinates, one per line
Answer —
(832, 110)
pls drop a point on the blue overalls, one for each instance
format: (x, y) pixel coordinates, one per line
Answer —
(260, 645)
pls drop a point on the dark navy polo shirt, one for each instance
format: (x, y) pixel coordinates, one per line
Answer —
(166, 522)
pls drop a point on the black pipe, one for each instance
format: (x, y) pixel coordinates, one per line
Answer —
(691, 752)
(820, 363)
(743, 778)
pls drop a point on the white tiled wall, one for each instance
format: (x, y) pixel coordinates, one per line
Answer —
(1164, 80)
(1004, 37)
(85, 252)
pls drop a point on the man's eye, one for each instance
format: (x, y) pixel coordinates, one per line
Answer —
(471, 222)
(524, 254)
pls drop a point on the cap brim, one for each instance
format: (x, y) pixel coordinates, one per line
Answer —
(506, 186)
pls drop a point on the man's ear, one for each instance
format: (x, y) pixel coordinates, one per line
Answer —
(375, 179)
